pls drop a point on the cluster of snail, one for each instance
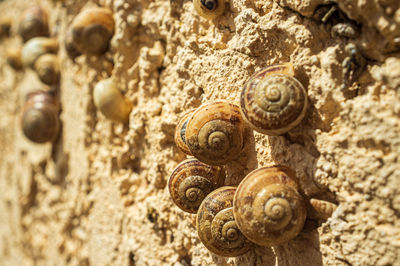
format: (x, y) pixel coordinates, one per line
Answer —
(266, 208)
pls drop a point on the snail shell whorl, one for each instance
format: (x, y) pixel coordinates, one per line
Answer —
(216, 225)
(267, 207)
(34, 23)
(191, 181)
(214, 133)
(324, 209)
(209, 9)
(37, 47)
(180, 133)
(273, 101)
(47, 69)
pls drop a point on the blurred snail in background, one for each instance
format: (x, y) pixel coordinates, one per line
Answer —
(214, 133)
(216, 225)
(37, 47)
(268, 208)
(273, 101)
(110, 102)
(180, 133)
(191, 181)
(13, 57)
(323, 209)
(34, 23)
(5, 26)
(70, 47)
(209, 9)
(48, 69)
(40, 121)
(92, 30)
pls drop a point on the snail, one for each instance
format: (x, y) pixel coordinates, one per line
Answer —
(14, 58)
(191, 181)
(92, 30)
(109, 100)
(273, 101)
(180, 134)
(34, 23)
(214, 133)
(40, 122)
(36, 47)
(267, 206)
(5, 26)
(47, 69)
(216, 225)
(70, 46)
(209, 9)
(323, 209)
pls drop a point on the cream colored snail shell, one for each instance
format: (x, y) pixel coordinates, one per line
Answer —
(40, 121)
(180, 133)
(323, 209)
(37, 47)
(214, 133)
(14, 58)
(267, 206)
(34, 23)
(92, 30)
(209, 9)
(273, 101)
(191, 181)
(110, 102)
(48, 69)
(216, 225)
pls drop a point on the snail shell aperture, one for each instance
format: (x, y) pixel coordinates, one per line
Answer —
(273, 101)
(267, 206)
(180, 133)
(191, 181)
(37, 47)
(209, 9)
(34, 23)
(47, 69)
(214, 133)
(216, 225)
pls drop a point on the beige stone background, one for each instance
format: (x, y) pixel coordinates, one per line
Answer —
(98, 195)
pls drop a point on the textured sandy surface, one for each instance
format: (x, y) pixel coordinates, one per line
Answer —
(98, 195)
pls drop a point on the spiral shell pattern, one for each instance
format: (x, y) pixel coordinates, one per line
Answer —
(180, 133)
(209, 9)
(214, 133)
(267, 207)
(273, 101)
(216, 225)
(191, 181)
(324, 209)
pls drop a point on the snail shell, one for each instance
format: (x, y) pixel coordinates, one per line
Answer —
(70, 46)
(216, 225)
(34, 23)
(273, 101)
(14, 58)
(5, 26)
(191, 181)
(214, 133)
(322, 208)
(92, 30)
(109, 100)
(47, 69)
(37, 47)
(267, 207)
(180, 133)
(40, 122)
(209, 9)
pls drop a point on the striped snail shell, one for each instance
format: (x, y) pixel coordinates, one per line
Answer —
(191, 181)
(48, 69)
(267, 206)
(214, 133)
(180, 133)
(34, 23)
(37, 47)
(216, 225)
(273, 101)
(323, 209)
(209, 9)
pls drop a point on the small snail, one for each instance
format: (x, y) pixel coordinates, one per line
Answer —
(216, 225)
(14, 58)
(214, 133)
(273, 101)
(191, 181)
(92, 30)
(209, 9)
(36, 47)
(109, 100)
(180, 133)
(267, 206)
(5, 26)
(40, 122)
(322, 208)
(70, 46)
(47, 69)
(34, 23)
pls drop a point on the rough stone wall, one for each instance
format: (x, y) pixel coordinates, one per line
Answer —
(98, 195)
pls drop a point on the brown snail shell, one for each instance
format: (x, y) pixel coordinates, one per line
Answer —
(191, 181)
(267, 206)
(109, 100)
(70, 46)
(5, 26)
(273, 101)
(37, 47)
(92, 30)
(40, 122)
(14, 58)
(48, 69)
(34, 23)
(323, 209)
(209, 9)
(216, 225)
(214, 133)
(180, 133)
